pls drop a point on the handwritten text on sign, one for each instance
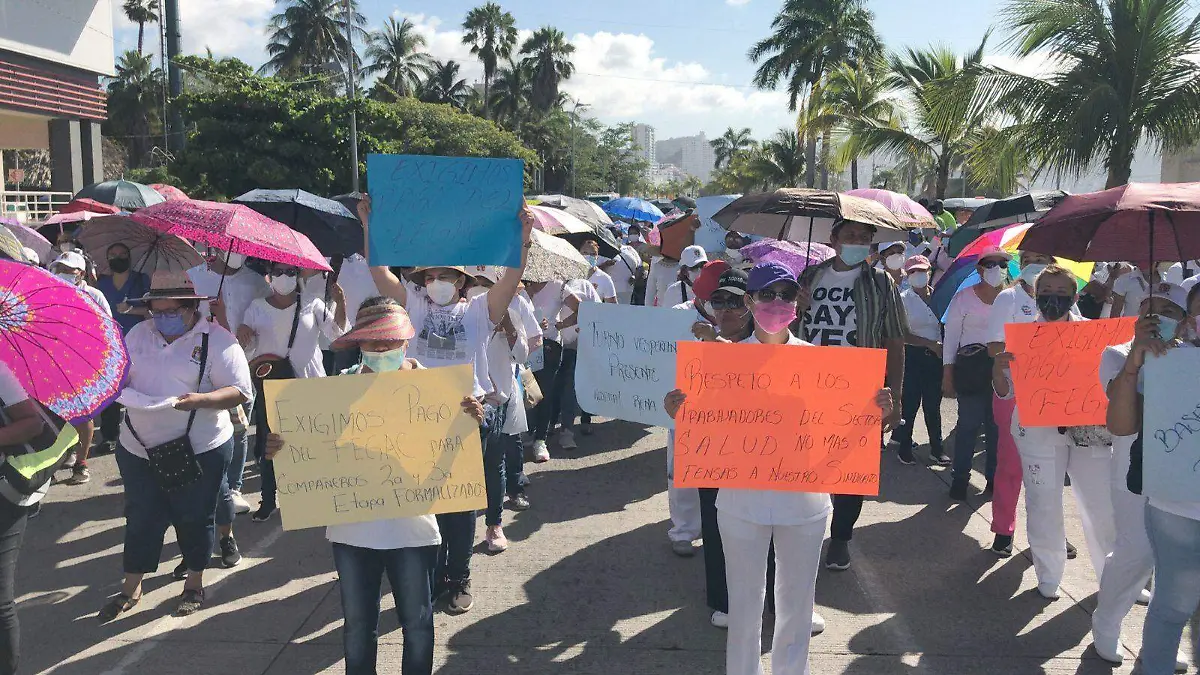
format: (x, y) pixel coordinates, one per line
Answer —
(779, 417)
(626, 359)
(368, 447)
(1055, 369)
(428, 211)
(1171, 426)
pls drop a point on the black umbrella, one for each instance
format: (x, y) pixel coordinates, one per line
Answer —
(1023, 208)
(123, 194)
(609, 248)
(332, 228)
(349, 200)
(683, 202)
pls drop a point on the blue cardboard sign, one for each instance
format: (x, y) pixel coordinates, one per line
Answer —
(430, 211)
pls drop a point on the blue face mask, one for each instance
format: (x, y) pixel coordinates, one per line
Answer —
(170, 325)
(854, 254)
(384, 362)
(593, 260)
(1167, 327)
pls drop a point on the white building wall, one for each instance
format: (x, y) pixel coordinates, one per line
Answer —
(76, 33)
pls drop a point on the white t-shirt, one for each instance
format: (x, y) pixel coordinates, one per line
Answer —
(1013, 305)
(1175, 273)
(1135, 288)
(1111, 363)
(273, 326)
(677, 293)
(159, 371)
(97, 297)
(922, 322)
(603, 283)
(586, 292)
(453, 335)
(968, 322)
(770, 507)
(663, 273)
(831, 320)
(357, 284)
(623, 272)
(1188, 284)
(383, 535)
(239, 290)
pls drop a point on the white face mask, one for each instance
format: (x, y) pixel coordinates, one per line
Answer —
(283, 285)
(68, 277)
(918, 279)
(894, 261)
(475, 291)
(441, 292)
(993, 276)
(235, 261)
(1030, 272)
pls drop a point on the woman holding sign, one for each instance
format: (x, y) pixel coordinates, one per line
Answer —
(750, 520)
(1049, 454)
(1162, 534)
(405, 549)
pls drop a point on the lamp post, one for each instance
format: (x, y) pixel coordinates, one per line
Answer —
(352, 89)
(574, 115)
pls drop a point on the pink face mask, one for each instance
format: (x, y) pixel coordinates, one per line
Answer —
(774, 316)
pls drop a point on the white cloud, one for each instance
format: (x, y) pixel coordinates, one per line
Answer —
(737, 3)
(228, 27)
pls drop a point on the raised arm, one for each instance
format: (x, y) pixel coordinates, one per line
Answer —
(387, 283)
(502, 292)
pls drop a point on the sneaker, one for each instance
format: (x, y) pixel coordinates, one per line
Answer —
(1143, 597)
(1003, 546)
(683, 549)
(240, 505)
(1108, 649)
(939, 457)
(79, 475)
(496, 541)
(264, 512)
(905, 455)
(1048, 591)
(818, 623)
(566, 439)
(958, 489)
(541, 454)
(459, 600)
(180, 572)
(518, 503)
(1072, 552)
(230, 555)
(71, 459)
(837, 557)
(719, 620)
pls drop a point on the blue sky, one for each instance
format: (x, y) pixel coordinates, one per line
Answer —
(679, 66)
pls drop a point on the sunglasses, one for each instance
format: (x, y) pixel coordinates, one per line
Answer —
(768, 295)
(727, 303)
(992, 264)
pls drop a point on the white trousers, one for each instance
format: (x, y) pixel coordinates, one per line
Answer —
(682, 503)
(797, 557)
(1128, 567)
(1046, 462)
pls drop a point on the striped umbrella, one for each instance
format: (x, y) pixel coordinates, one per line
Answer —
(905, 209)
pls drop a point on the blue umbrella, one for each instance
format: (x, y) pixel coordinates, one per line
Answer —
(633, 208)
(332, 228)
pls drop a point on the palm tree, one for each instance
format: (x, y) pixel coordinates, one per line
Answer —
(853, 97)
(808, 39)
(492, 34)
(549, 55)
(512, 90)
(395, 54)
(1125, 74)
(309, 34)
(730, 145)
(780, 160)
(141, 12)
(444, 85)
(133, 101)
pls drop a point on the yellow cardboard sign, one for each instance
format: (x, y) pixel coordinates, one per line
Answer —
(359, 448)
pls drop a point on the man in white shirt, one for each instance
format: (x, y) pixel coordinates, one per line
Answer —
(624, 269)
(691, 262)
(1130, 290)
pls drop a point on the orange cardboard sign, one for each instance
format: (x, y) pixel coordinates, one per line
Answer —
(1055, 369)
(779, 417)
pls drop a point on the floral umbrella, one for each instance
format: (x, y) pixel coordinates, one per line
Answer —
(150, 250)
(67, 353)
(235, 228)
(551, 258)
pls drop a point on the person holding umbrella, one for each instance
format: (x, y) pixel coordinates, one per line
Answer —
(184, 375)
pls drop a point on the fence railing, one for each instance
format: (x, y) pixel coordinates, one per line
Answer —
(29, 206)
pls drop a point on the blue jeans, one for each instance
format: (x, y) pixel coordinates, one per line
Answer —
(191, 510)
(974, 411)
(458, 529)
(493, 462)
(410, 574)
(515, 479)
(1175, 541)
(237, 463)
(922, 390)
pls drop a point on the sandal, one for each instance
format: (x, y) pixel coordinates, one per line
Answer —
(116, 607)
(190, 602)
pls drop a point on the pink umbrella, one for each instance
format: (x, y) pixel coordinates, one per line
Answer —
(554, 221)
(67, 353)
(905, 209)
(30, 239)
(233, 227)
(796, 257)
(168, 192)
(61, 219)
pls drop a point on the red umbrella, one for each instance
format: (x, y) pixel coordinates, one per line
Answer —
(233, 227)
(1139, 222)
(85, 204)
(168, 192)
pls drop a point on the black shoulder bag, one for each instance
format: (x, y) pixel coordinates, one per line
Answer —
(272, 367)
(174, 463)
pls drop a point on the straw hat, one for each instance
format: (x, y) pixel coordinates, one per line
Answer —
(417, 274)
(165, 285)
(385, 321)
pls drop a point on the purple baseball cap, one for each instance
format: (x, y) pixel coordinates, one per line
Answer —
(763, 275)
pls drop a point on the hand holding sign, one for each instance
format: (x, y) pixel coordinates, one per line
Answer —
(783, 418)
(1054, 369)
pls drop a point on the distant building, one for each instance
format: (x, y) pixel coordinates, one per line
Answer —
(692, 154)
(662, 174)
(52, 56)
(1182, 166)
(644, 145)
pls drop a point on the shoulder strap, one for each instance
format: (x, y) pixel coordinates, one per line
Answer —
(291, 338)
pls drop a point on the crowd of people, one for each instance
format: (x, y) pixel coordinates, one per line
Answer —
(202, 343)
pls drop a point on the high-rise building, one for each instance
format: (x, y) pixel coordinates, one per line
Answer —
(643, 141)
(693, 154)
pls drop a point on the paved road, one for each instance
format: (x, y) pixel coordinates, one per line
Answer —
(589, 586)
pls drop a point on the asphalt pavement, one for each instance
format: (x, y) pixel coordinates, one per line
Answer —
(589, 585)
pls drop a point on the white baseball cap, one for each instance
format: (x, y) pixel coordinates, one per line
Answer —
(1175, 293)
(490, 272)
(73, 260)
(693, 256)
